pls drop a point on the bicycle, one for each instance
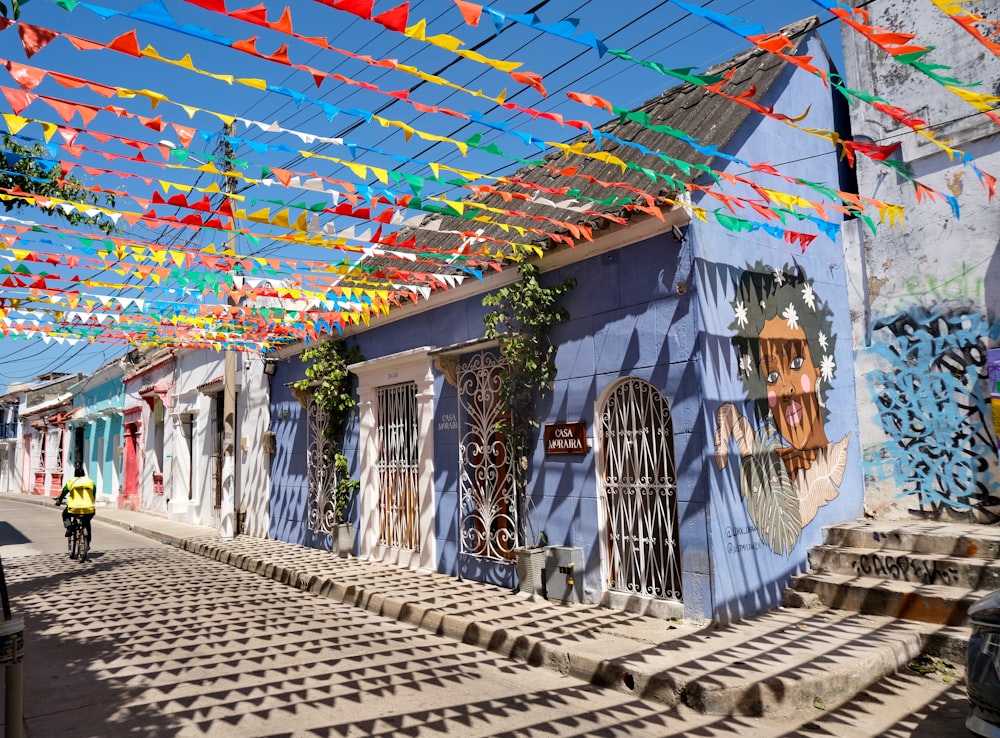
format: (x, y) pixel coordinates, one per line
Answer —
(77, 542)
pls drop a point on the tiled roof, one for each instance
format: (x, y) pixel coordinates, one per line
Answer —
(710, 118)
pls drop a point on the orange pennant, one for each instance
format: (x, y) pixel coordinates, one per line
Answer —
(470, 12)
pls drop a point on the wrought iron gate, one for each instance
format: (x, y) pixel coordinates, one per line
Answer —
(320, 468)
(640, 492)
(397, 466)
(487, 508)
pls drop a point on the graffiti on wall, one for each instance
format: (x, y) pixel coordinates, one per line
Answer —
(931, 404)
(784, 348)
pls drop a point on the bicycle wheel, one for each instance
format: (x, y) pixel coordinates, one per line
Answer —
(74, 542)
(84, 543)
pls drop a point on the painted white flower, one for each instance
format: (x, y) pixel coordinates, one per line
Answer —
(808, 296)
(779, 277)
(791, 316)
(746, 364)
(826, 367)
(741, 314)
(821, 337)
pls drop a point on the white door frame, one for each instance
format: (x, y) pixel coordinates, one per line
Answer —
(414, 366)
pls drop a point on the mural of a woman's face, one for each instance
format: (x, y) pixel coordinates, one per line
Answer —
(791, 376)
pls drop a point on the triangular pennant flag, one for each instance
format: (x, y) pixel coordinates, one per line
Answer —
(34, 38)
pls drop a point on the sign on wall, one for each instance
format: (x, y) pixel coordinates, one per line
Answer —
(566, 438)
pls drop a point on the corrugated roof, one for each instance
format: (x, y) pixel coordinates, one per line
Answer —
(710, 118)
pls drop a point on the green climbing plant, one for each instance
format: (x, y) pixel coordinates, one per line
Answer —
(523, 315)
(31, 170)
(328, 381)
(15, 8)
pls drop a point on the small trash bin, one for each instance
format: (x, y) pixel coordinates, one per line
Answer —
(564, 573)
(982, 667)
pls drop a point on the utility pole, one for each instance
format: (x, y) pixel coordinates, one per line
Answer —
(227, 509)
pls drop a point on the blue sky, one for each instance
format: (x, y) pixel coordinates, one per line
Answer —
(652, 31)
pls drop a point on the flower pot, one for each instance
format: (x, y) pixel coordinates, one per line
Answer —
(531, 570)
(343, 539)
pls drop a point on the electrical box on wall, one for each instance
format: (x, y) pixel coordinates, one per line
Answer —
(564, 573)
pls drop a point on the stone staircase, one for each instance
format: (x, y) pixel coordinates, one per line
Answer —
(922, 571)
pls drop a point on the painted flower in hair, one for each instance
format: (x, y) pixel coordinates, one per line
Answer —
(792, 316)
(741, 313)
(808, 296)
(826, 367)
(746, 364)
(822, 340)
(779, 277)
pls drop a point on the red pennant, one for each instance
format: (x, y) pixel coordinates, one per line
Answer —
(361, 8)
(281, 56)
(34, 38)
(127, 43)
(284, 24)
(395, 19)
(256, 15)
(216, 6)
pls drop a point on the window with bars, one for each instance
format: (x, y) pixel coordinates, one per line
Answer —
(397, 466)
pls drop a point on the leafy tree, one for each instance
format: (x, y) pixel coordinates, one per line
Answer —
(28, 168)
(15, 8)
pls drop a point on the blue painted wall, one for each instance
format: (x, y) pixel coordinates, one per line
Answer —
(109, 395)
(747, 575)
(657, 310)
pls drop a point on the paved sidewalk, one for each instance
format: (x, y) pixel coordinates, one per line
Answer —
(773, 664)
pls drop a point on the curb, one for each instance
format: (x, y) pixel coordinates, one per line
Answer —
(771, 696)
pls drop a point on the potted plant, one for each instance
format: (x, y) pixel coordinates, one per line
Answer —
(326, 392)
(344, 489)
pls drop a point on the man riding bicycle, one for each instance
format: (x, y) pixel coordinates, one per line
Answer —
(81, 491)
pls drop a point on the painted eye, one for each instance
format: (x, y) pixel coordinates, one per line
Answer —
(797, 363)
(772, 377)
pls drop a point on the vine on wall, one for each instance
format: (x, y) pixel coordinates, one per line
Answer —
(524, 314)
(328, 381)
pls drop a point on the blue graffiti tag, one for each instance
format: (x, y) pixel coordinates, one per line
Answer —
(930, 403)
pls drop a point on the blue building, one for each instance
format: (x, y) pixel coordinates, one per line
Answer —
(96, 428)
(699, 432)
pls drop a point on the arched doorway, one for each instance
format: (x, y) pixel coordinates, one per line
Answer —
(638, 491)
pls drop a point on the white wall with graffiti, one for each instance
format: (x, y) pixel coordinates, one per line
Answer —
(925, 293)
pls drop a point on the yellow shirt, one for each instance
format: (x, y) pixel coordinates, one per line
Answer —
(81, 495)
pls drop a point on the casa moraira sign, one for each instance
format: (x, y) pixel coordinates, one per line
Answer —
(566, 438)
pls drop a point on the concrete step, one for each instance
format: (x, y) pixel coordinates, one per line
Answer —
(903, 566)
(948, 539)
(925, 603)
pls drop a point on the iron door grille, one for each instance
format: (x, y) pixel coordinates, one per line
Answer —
(488, 507)
(640, 492)
(397, 466)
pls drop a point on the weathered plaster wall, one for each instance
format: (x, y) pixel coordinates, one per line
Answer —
(924, 294)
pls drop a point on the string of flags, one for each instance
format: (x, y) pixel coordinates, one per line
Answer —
(340, 234)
